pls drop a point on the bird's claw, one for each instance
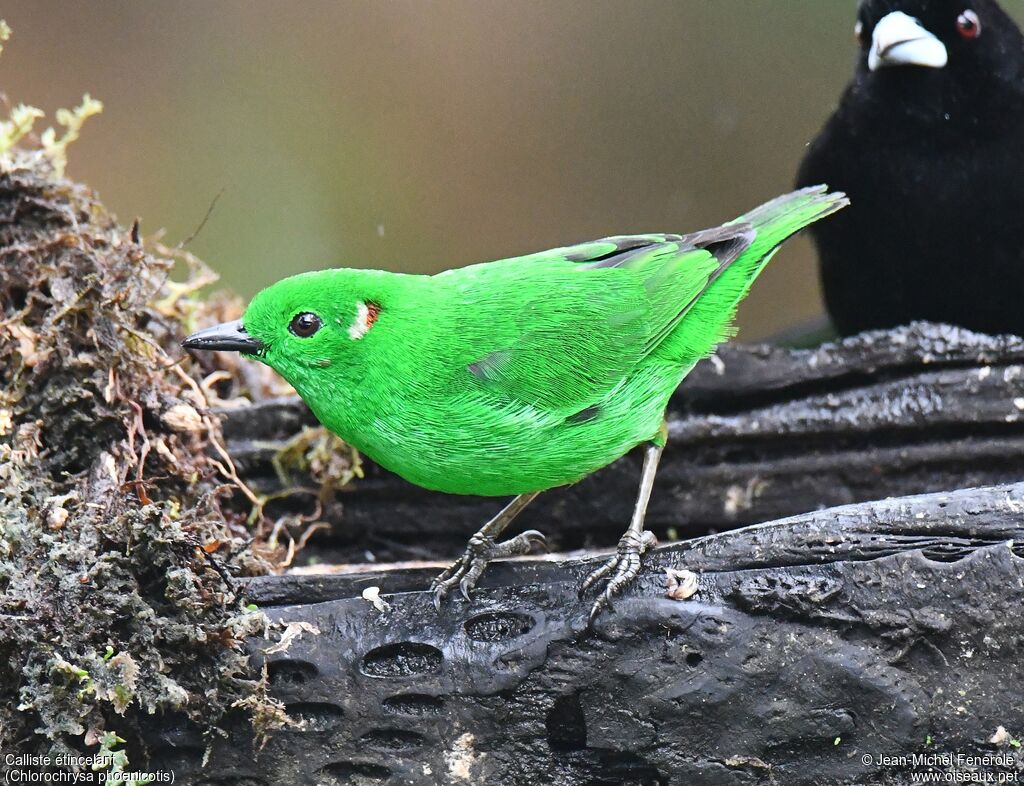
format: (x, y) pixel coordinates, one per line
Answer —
(466, 571)
(623, 567)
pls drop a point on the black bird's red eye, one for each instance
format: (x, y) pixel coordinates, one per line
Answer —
(968, 24)
(305, 324)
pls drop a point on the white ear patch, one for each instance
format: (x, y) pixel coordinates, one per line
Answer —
(366, 315)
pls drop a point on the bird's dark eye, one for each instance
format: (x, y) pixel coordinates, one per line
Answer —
(858, 32)
(968, 24)
(305, 324)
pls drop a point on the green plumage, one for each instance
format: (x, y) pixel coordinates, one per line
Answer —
(523, 374)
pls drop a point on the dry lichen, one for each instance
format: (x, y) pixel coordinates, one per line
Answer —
(52, 148)
(321, 455)
(117, 535)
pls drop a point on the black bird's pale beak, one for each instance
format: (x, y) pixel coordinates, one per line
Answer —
(230, 337)
(901, 40)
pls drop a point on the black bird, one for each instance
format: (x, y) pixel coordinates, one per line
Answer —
(928, 141)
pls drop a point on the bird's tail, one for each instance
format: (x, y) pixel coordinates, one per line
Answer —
(709, 320)
(778, 220)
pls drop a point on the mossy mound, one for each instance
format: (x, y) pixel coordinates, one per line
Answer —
(118, 537)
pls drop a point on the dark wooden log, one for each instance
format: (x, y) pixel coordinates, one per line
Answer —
(755, 434)
(813, 647)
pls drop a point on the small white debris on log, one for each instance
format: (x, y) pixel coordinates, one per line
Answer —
(461, 758)
(372, 595)
(1001, 737)
(681, 584)
(291, 632)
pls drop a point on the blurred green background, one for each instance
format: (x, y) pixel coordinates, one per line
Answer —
(415, 135)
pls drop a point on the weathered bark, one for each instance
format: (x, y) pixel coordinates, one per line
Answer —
(757, 434)
(881, 628)
(884, 628)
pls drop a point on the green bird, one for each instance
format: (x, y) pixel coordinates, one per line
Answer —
(509, 378)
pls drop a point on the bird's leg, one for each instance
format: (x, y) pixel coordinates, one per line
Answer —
(625, 565)
(483, 548)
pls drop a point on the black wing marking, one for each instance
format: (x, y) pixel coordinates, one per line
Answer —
(724, 243)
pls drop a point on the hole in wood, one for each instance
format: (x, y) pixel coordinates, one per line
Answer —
(566, 727)
(354, 773)
(404, 659)
(498, 626)
(393, 739)
(284, 673)
(315, 716)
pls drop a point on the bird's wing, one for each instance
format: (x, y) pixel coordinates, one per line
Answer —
(563, 328)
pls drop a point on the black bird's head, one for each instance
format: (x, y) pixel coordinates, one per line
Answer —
(941, 60)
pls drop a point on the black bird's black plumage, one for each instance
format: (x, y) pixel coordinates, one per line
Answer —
(933, 161)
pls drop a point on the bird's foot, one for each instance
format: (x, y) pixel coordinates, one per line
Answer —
(622, 568)
(481, 549)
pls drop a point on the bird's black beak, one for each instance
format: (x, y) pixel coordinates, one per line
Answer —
(230, 337)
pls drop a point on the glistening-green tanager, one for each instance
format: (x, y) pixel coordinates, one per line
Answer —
(516, 376)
